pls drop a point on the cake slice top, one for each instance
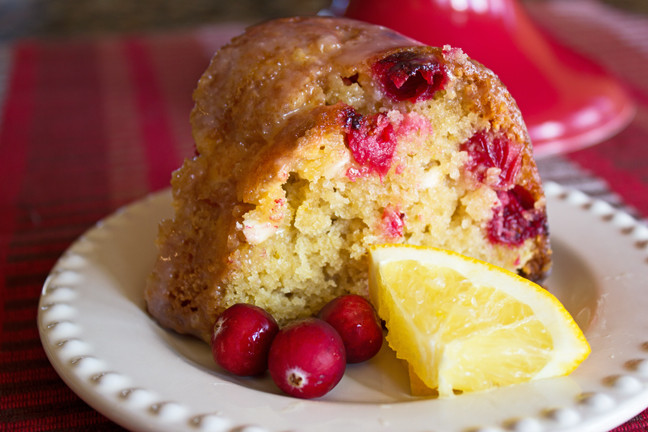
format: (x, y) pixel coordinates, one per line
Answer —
(281, 78)
(280, 69)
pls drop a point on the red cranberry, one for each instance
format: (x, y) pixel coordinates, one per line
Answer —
(356, 321)
(487, 150)
(307, 358)
(410, 76)
(372, 141)
(241, 339)
(393, 222)
(516, 219)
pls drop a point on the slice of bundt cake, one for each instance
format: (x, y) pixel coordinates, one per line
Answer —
(316, 137)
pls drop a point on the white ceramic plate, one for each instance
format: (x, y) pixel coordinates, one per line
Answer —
(99, 338)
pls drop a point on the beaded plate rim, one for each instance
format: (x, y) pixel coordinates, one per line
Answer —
(73, 314)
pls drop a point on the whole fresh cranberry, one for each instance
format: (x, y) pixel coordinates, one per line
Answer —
(241, 339)
(356, 321)
(307, 358)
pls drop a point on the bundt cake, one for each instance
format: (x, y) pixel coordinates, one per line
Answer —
(316, 137)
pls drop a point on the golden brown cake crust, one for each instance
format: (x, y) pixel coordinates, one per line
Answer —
(271, 120)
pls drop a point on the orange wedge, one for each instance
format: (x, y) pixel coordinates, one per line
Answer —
(464, 325)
